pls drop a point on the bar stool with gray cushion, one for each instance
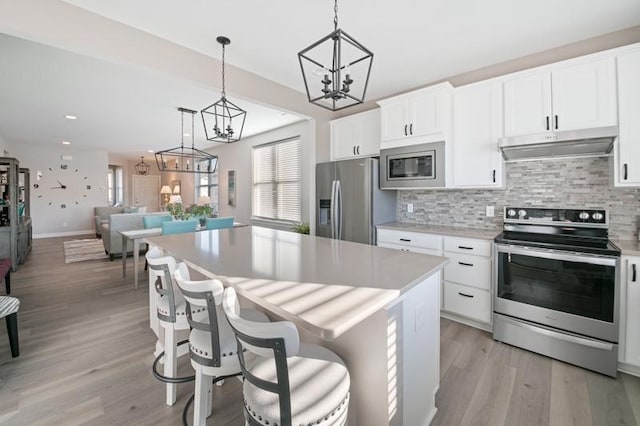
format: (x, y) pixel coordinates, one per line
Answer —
(9, 308)
(289, 383)
(172, 318)
(211, 343)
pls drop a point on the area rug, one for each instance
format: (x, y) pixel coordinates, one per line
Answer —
(81, 250)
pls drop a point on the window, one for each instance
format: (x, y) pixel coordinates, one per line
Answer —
(277, 188)
(114, 185)
(207, 184)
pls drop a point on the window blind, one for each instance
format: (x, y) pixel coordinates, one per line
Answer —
(277, 188)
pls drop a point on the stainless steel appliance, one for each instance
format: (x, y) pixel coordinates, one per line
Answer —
(557, 286)
(414, 166)
(349, 200)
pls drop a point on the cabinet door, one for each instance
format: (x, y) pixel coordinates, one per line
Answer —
(426, 113)
(477, 122)
(393, 120)
(343, 138)
(527, 104)
(368, 133)
(628, 155)
(632, 344)
(584, 95)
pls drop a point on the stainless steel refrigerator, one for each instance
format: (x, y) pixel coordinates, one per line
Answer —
(349, 201)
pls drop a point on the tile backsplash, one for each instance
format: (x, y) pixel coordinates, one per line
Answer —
(569, 183)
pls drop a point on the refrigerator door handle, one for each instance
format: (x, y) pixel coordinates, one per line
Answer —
(339, 211)
(333, 209)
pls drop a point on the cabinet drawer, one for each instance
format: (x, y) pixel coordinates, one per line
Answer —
(467, 301)
(468, 246)
(412, 239)
(470, 270)
(410, 248)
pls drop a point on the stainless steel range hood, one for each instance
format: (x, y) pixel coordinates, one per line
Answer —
(574, 143)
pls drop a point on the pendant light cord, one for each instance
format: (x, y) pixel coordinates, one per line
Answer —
(335, 15)
(224, 95)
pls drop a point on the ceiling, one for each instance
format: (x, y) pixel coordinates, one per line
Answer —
(129, 110)
(119, 109)
(414, 42)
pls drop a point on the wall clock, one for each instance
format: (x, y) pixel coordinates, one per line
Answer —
(61, 186)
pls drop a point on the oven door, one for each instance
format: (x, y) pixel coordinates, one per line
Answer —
(575, 292)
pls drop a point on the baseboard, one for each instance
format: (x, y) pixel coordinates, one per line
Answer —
(467, 321)
(65, 234)
(634, 370)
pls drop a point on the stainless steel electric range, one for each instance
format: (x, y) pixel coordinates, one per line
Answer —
(557, 286)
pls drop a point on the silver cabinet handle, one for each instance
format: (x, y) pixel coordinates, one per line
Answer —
(565, 337)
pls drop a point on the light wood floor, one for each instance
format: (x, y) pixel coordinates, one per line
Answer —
(85, 358)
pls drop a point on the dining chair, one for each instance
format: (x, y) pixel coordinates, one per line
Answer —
(155, 221)
(288, 383)
(220, 222)
(9, 308)
(179, 226)
(211, 342)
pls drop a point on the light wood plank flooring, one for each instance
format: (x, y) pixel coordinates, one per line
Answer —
(86, 352)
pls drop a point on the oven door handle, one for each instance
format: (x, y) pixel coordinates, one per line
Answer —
(557, 255)
(566, 337)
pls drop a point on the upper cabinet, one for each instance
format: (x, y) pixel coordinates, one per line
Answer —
(627, 154)
(477, 118)
(357, 135)
(417, 117)
(571, 95)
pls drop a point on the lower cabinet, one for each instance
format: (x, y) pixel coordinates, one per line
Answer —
(466, 285)
(629, 312)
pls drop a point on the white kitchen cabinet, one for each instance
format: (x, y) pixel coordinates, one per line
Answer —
(477, 126)
(570, 95)
(630, 312)
(420, 116)
(467, 278)
(627, 149)
(356, 135)
(410, 241)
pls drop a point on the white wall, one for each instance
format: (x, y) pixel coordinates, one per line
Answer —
(75, 219)
(237, 156)
(3, 146)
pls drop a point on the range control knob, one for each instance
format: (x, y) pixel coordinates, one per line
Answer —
(597, 216)
(511, 212)
(584, 215)
(522, 213)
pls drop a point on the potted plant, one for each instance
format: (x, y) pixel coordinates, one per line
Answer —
(177, 211)
(202, 209)
(301, 228)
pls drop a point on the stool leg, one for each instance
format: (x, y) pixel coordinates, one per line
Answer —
(209, 395)
(12, 331)
(202, 395)
(170, 363)
(7, 282)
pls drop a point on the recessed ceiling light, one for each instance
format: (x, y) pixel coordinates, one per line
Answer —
(70, 117)
(150, 150)
(186, 135)
(66, 143)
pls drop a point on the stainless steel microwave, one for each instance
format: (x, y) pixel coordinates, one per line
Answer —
(414, 166)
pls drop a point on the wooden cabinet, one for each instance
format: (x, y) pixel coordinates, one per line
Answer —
(477, 125)
(630, 312)
(15, 224)
(420, 116)
(571, 95)
(466, 281)
(627, 149)
(357, 135)
(467, 278)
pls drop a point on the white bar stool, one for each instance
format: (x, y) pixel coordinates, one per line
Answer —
(288, 383)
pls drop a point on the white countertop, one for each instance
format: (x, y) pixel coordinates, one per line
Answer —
(455, 231)
(628, 247)
(323, 285)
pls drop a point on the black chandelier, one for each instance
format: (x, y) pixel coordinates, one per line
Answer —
(219, 118)
(184, 159)
(142, 168)
(336, 69)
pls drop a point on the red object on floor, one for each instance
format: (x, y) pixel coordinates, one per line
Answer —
(5, 271)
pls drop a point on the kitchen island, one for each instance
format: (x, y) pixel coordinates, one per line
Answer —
(377, 308)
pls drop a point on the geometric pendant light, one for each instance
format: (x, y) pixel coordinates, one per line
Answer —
(142, 168)
(336, 69)
(223, 120)
(185, 159)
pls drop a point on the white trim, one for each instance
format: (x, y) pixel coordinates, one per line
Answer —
(634, 370)
(467, 321)
(64, 234)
